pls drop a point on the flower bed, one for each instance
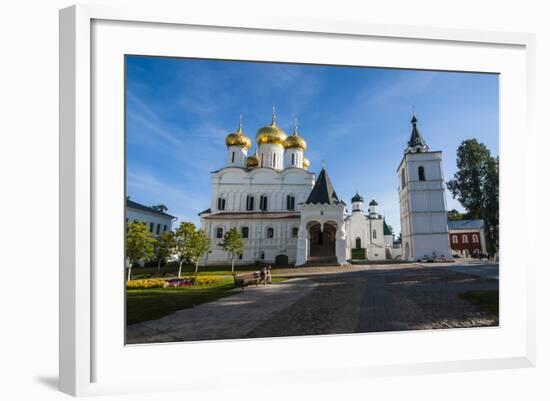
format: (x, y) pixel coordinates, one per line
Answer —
(175, 282)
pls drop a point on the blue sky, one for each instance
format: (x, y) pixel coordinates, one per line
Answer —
(178, 112)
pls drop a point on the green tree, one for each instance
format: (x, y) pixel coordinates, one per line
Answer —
(140, 244)
(234, 244)
(454, 215)
(164, 247)
(199, 246)
(475, 185)
(183, 245)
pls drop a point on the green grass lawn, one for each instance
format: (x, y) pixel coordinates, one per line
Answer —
(154, 303)
(486, 300)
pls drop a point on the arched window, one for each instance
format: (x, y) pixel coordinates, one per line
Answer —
(270, 232)
(294, 232)
(262, 160)
(221, 203)
(357, 242)
(475, 238)
(274, 160)
(293, 157)
(290, 202)
(219, 232)
(402, 178)
(454, 238)
(244, 232)
(232, 157)
(464, 239)
(373, 233)
(421, 174)
(263, 203)
(250, 202)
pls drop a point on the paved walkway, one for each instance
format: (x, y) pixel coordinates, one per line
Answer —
(479, 269)
(230, 317)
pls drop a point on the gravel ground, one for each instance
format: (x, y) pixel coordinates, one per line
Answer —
(382, 298)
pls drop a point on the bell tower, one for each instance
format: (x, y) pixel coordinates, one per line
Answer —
(422, 204)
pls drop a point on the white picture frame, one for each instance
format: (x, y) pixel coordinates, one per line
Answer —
(84, 351)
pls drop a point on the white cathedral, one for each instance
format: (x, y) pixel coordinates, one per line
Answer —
(286, 215)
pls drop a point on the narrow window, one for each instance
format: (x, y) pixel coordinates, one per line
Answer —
(221, 204)
(293, 162)
(294, 232)
(290, 201)
(262, 160)
(158, 228)
(464, 239)
(165, 228)
(244, 232)
(454, 239)
(274, 159)
(263, 203)
(151, 226)
(402, 178)
(421, 174)
(262, 255)
(250, 202)
(358, 243)
(373, 233)
(270, 232)
(219, 232)
(232, 157)
(475, 238)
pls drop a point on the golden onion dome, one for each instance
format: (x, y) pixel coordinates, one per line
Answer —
(238, 138)
(294, 140)
(271, 133)
(306, 163)
(252, 161)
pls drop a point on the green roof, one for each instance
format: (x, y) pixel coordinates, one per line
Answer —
(387, 230)
(357, 198)
(373, 203)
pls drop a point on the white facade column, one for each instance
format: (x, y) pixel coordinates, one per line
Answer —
(302, 245)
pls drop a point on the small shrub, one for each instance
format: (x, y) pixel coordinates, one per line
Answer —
(145, 284)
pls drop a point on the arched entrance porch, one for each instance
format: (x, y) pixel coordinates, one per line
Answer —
(322, 240)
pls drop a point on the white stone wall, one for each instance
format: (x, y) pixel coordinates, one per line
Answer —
(282, 243)
(271, 155)
(236, 156)
(298, 158)
(235, 184)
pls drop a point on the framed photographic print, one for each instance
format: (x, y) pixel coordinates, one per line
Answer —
(345, 194)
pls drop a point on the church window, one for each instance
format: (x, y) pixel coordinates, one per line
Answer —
(219, 232)
(293, 162)
(270, 232)
(294, 232)
(475, 238)
(262, 255)
(151, 226)
(164, 228)
(263, 203)
(250, 202)
(262, 160)
(158, 228)
(421, 173)
(244, 232)
(402, 178)
(221, 204)
(232, 157)
(373, 233)
(290, 202)
(358, 243)
(274, 159)
(454, 238)
(464, 239)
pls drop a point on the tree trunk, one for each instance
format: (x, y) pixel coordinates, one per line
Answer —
(158, 267)
(197, 265)
(129, 273)
(179, 271)
(233, 265)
